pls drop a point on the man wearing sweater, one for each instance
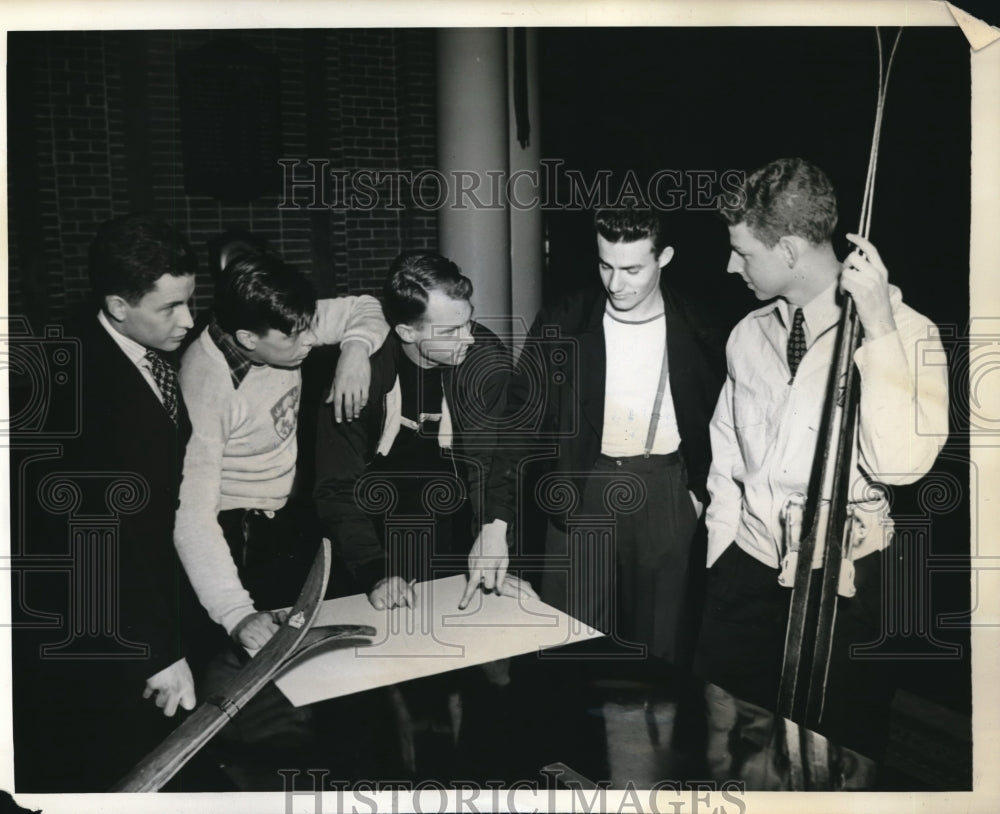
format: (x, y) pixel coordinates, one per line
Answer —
(242, 383)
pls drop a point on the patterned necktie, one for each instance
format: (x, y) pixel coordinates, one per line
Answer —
(166, 379)
(796, 341)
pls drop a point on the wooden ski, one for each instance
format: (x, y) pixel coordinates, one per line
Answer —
(198, 728)
(813, 609)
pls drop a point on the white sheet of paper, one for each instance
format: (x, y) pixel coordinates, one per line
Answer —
(434, 637)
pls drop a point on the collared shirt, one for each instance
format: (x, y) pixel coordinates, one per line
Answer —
(238, 364)
(766, 424)
(134, 351)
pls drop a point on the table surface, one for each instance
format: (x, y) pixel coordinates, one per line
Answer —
(743, 741)
(433, 637)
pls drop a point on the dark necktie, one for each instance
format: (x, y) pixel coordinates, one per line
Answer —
(166, 379)
(796, 341)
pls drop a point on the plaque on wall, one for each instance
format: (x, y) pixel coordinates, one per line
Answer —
(230, 120)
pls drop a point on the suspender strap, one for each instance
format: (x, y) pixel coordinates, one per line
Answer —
(654, 419)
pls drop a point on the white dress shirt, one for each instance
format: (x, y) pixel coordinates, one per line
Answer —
(765, 427)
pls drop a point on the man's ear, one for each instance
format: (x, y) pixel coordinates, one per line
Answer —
(406, 333)
(246, 339)
(790, 250)
(116, 307)
(665, 256)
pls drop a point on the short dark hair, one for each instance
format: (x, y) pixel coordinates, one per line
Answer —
(412, 276)
(630, 224)
(789, 196)
(259, 291)
(232, 241)
(130, 253)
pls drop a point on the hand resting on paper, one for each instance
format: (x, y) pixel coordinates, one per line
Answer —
(392, 592)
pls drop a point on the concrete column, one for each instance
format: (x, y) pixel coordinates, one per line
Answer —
(473, 223)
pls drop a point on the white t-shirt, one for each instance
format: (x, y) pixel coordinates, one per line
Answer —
(634, 356)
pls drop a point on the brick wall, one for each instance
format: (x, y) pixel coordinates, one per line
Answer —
(362, 99)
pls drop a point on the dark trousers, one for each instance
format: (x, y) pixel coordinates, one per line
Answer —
(627, 549)
(428, 533)
(742, 642)
(272, 551)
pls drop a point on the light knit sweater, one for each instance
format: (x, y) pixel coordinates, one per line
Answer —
(242, 450)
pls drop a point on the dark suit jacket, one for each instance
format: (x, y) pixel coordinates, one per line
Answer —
(125, 428)
(81, 723)
(558, 388)
(475, 392)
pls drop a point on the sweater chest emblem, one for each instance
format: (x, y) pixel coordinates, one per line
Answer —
(284, 413)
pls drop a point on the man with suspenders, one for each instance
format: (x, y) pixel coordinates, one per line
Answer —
(628, 404)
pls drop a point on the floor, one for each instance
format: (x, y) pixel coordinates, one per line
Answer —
(602, 722)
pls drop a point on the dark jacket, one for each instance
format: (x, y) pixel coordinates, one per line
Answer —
(80, 709)
(557, 392)
(125, 428)
(475, 392)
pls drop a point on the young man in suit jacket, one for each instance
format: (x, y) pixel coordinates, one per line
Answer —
(94, 717)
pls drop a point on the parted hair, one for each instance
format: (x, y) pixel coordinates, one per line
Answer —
(130, 253)
(259, 291)
(789, 196)
(412, 276)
